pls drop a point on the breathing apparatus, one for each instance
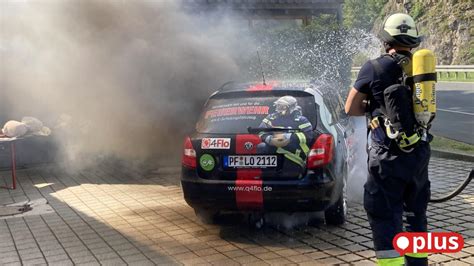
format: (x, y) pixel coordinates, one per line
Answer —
(424, 104)
(407, 123)
(424, 93)
(410, 106)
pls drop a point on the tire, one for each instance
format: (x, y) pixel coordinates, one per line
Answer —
(256, 220)
(336, 214)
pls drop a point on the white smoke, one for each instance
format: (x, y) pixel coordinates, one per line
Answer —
(357, 159)
(368, 47)
(113, 77)
(288, 221)
(127, 78)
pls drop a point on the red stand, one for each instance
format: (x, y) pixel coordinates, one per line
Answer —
(13, 168)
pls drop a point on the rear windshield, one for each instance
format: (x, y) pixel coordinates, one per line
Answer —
(232, 113)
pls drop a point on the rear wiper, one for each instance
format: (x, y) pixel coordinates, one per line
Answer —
(255, 130)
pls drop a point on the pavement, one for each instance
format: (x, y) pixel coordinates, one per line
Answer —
(110, 215)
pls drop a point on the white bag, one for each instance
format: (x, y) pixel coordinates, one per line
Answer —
(35, 126)
(14, 129)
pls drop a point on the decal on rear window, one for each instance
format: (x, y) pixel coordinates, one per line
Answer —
(236, 114)
(288, 114)
(240, 110)
(234, 111)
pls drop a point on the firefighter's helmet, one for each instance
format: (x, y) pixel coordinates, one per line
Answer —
(400, 29)
(286, 105)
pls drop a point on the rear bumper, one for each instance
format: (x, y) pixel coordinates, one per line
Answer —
(314, 192)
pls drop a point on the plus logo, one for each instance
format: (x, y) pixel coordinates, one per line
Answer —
(435, 242)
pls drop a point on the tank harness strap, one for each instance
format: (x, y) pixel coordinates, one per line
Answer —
(379, 71)
(406, 141)
(374, 121)
(403, 141)
(425, 77)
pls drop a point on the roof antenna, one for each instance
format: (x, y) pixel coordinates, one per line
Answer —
(261, 68)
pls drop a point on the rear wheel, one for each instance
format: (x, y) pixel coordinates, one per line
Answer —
(256, 220)
(336, 214)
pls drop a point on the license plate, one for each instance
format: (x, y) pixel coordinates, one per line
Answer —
(250, 161)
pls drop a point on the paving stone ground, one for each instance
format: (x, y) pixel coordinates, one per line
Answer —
(114, 216)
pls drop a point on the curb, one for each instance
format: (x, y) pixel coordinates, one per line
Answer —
(452, 155)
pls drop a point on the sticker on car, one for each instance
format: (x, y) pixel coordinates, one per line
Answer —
(207, 162)
(215, 143)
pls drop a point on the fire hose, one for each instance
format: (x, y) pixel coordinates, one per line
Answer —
(456, 192)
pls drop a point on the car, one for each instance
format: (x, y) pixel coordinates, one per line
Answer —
(276, 147)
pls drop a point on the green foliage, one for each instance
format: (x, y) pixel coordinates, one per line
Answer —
(445, 144)
(362, 14)
(466, 54)
(470, 54)
(417, 10)
(435, 19)
(323, 22)
(456, 76)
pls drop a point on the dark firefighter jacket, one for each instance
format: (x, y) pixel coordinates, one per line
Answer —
(297, 149)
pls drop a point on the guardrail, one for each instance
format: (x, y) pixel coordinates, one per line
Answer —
(440, 69)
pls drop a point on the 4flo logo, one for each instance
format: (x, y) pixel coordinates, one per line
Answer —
(434, 242)
(215, 143)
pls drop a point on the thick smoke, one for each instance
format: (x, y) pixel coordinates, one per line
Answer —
(110, 77)
(127, 78)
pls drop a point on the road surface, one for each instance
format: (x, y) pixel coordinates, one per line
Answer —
(455, 111)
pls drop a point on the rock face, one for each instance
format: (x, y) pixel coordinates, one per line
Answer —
(446, 24)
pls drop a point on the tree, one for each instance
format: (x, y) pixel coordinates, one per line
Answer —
(362, 14)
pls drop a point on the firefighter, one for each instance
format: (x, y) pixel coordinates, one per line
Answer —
(293, 142)
(287, 115)
(397, 185)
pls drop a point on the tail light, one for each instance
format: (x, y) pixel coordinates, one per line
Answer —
(189, 154)
(321, 152)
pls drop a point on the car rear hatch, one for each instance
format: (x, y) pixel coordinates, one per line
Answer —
(230, 140)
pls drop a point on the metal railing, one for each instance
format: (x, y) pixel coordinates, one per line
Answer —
(440, 69)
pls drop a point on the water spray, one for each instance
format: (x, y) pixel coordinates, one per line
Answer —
(261, 67)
